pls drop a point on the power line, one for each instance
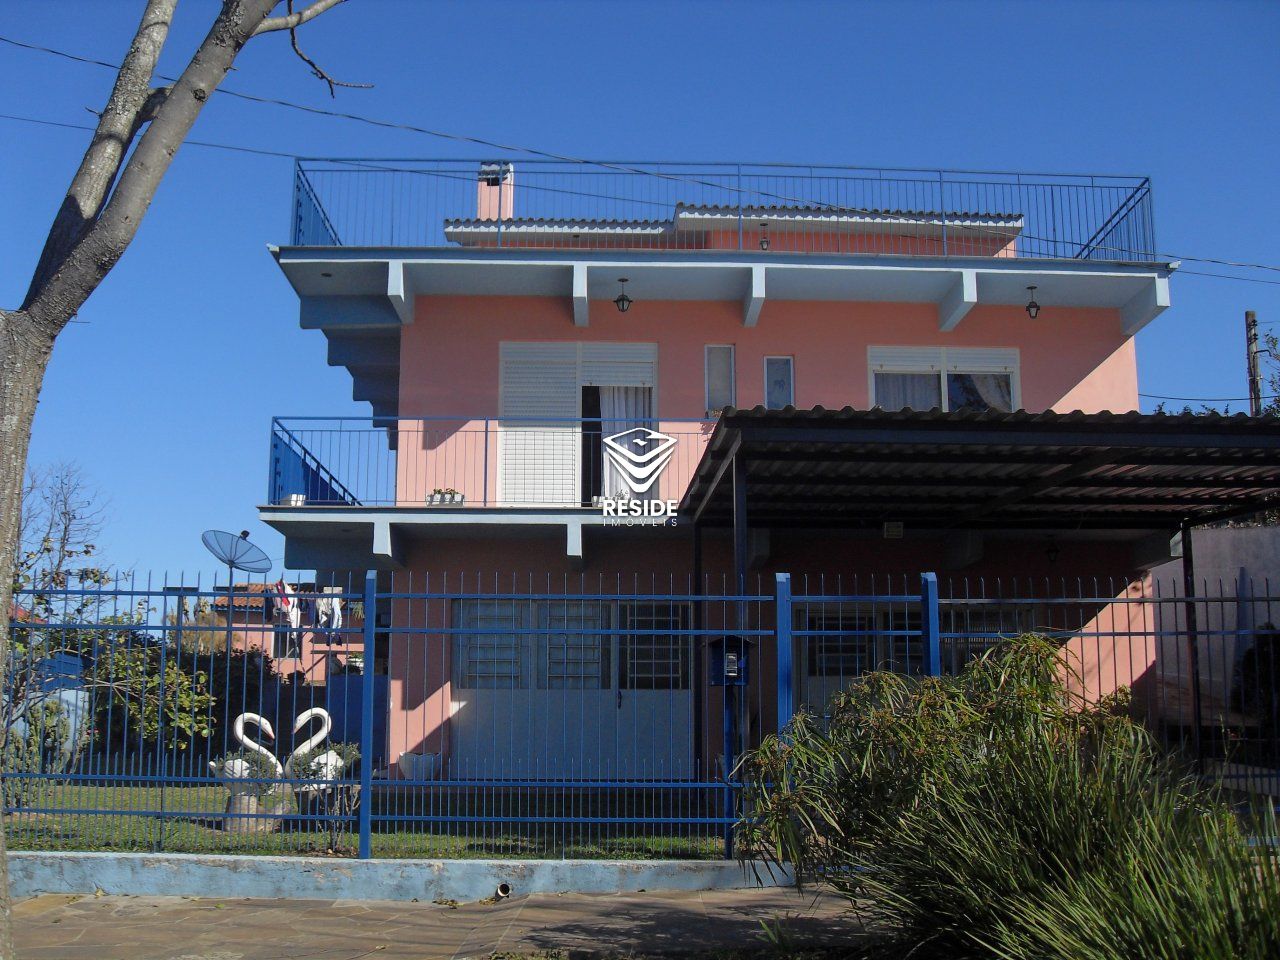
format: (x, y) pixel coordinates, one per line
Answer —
(1227, 276)
(533, 151)
(194, 143)
(377, 167)
(1157, 396)
(256, 151)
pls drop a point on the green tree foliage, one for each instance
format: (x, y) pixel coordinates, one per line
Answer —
(987, 815)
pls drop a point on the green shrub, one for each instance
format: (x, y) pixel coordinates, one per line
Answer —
(986, 815)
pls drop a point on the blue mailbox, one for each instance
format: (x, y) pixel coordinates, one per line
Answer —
(730, 661)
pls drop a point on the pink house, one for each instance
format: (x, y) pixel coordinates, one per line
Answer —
(547, 351)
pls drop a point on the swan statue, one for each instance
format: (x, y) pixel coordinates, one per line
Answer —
(234, 772)
(327, 766)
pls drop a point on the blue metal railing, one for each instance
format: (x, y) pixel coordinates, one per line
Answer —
(778, 208)
(580, 717)
(472, 462)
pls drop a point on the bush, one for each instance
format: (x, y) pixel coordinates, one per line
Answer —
(334, 803)
(253, 774)
(987, 816)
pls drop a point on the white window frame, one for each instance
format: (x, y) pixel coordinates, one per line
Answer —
(764, 368)
(939, 361)
(706, 376)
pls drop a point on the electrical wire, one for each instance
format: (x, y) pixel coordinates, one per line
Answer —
(533, 151)
(194, 143)
(1157, 396)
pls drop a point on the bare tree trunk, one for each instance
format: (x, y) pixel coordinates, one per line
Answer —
(23, 359)
(103, 208)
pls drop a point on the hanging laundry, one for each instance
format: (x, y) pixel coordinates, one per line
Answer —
(329, 609)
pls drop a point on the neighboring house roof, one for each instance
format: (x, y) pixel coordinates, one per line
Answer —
(253, 596)
(20, 614)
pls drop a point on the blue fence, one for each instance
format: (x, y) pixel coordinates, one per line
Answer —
(459, 715)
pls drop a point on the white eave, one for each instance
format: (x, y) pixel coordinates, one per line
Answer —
(360, 297)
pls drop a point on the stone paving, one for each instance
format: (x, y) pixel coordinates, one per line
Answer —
(181, 928)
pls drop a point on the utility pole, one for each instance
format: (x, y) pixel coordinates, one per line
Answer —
(1251, 356)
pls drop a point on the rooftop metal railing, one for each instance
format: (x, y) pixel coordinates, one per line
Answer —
(475, 461)
(776, 208)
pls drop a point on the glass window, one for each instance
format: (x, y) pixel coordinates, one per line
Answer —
(720, 378)
(576, 657)
(655, 659)
(493, 656)
(779, 383)
(285, 643)
(837, 644)
(902, 391)
(979, 391)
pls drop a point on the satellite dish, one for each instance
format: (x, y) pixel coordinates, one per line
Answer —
(238, 554)
(236, 551)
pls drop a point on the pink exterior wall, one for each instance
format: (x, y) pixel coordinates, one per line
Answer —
(419, 667)
(449, 364)
(1070, 358)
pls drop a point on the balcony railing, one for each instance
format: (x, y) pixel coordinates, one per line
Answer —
(771, 208)
(460, 462)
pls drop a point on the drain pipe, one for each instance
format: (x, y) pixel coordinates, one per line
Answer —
(503, 891)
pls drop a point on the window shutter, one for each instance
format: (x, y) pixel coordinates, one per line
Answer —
(538, 457)
(619, 364)
(905, 359)
(982, 359)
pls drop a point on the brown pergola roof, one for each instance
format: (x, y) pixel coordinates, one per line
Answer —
(969, 470)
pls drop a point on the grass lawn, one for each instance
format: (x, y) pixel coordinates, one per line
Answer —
(191, 823)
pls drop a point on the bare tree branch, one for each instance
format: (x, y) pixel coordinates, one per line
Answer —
(293, 20)
(320, 72)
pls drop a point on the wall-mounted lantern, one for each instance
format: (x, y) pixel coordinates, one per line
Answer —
(622, 301)
(1033, 308)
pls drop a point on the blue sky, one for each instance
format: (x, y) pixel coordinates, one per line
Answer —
(165, 391)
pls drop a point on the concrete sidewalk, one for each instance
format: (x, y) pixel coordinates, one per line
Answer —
(178, 928)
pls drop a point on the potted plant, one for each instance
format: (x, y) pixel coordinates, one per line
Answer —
(251, 778)
(445, 495)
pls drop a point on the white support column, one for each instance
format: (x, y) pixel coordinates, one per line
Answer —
(386, 543)
(958, 300)
(398, 291)
(581, 305)
(754, 299)
(573, 542)
(1145, 306)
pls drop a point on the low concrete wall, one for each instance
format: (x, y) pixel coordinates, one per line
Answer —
(312, 878)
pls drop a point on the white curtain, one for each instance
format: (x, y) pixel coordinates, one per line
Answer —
(623, 408)
(914, 391)
(980, 391)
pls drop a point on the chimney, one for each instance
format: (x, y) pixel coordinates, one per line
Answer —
(495, 191)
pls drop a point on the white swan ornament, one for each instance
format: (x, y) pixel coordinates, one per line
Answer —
(234, 772)
(328, 765)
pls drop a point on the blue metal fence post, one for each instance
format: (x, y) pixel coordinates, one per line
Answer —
(730, 734)
(782, 631)
(366, 714)
(929, 629)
